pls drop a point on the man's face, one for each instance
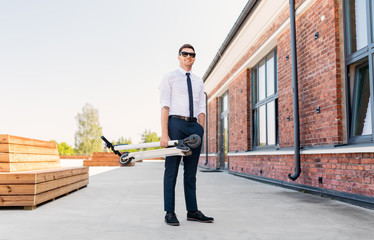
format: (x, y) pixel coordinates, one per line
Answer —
(184, 60)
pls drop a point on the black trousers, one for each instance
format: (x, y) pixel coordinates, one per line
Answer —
(180, 129)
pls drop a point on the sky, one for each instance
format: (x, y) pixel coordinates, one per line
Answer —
(58, 55)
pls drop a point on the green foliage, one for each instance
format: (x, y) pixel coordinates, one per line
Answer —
(64, 149)
(149, 136)
(87, 137)
(123, 140)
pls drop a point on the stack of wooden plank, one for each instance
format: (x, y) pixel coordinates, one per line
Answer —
(30, 188)
(23, 154)
(30, 172)
(83, 157)
(104, 159)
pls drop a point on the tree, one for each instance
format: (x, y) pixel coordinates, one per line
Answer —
(87, 137)
(122, 140)
(64, 149)
(149, 136)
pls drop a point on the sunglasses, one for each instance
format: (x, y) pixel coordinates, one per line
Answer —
(185, 54)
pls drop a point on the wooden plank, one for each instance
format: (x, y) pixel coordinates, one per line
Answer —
(23, 200)
(158, 158)
(22, 189)
(16, 167)
(38, 176)
(104, 154)
(21, 157)
(40, 198)
(4, 138)
(47, 186)
(75, 157)
(17, 178)
(105, 158)
(103, 164)
(29, 207)
(48, 175)
(100, 163)
(33, 200)
(15, 148)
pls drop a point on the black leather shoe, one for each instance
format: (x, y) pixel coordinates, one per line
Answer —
(171, 219)
(199, 216)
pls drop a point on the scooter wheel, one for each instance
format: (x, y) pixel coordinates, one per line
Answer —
(124, 162)
(192, 141)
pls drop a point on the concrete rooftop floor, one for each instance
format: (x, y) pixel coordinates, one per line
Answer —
(127, 203)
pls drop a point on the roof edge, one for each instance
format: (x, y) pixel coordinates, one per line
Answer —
(243, 17)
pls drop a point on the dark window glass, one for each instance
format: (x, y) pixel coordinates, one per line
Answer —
(224, 130)
(225, 133)
(255, 86)
(270, 75)
(261, 81)
(262, 125)
(361, 104)
(225, 103)
(271, 123)
(372, 20)
(356, 25)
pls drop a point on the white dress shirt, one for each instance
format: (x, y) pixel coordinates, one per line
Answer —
(174, 93)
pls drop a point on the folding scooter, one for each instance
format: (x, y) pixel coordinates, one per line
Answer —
(176, 148)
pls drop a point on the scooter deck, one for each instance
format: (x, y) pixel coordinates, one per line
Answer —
(176, 148)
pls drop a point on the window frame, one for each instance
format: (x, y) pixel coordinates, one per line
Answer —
(264, 102)
(221, 139)
(354, 58)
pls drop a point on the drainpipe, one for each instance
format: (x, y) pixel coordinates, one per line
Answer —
(295, 95)
(206, 129)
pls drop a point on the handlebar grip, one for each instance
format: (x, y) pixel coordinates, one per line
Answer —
(108, 144)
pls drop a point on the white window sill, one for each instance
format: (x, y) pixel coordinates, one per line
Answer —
(332, 150)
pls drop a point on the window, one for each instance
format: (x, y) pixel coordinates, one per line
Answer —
(360, 101)
(359, 32)
(265, 101)
(356, 25)
(225, 122)
(224, 131)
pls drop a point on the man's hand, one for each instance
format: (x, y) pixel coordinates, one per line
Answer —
(164, 127)
(201, 120)
(164, 141)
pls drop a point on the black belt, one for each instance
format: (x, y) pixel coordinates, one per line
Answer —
(187, 119)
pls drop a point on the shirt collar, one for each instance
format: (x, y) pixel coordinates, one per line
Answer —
(180, 69)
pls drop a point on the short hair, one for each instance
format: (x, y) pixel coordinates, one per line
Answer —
(185, 46)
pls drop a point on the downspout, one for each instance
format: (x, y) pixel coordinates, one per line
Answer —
(295, 95)
(206, 129)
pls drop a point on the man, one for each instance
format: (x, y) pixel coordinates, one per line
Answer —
(182, 114)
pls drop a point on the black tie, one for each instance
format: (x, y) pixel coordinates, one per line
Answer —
(190, 96)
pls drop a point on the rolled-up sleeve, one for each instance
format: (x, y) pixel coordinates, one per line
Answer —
(165, 91)
(202, 101)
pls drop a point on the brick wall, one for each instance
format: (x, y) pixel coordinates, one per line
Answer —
(349, 172)
(212, 161)
(319, 76)
(321, 84)
(239, 113)
(212, 128)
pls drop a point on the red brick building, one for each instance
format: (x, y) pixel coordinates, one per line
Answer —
(250, 97)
